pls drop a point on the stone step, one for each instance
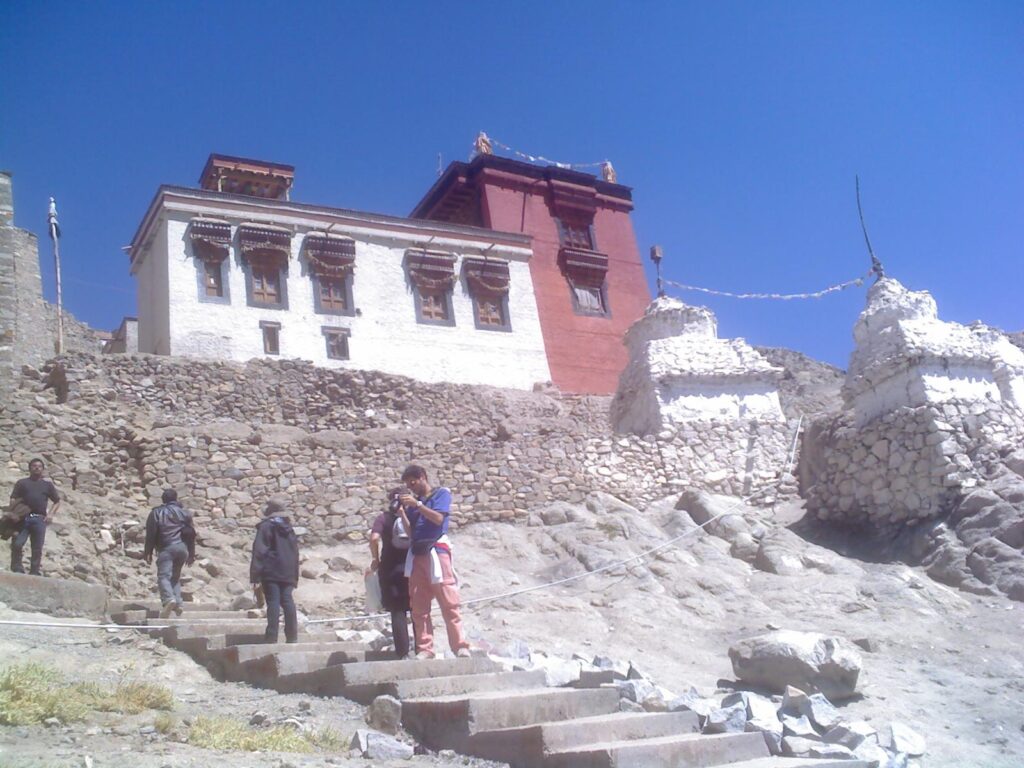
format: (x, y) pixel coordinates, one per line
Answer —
(118, 605)
(426, 687)
(238, 654)
(200, 641)
(798, 762)
(529, 743)
(449, 722)
(363, 682)
(266, 670)
(681, 751)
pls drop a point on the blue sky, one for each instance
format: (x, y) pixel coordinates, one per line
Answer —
(739, 125)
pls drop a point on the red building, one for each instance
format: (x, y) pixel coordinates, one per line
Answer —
(586, 269)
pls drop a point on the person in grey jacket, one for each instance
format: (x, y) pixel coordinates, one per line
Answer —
(170, 531)
(275, 567)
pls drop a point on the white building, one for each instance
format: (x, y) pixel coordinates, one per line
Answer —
(235, 270)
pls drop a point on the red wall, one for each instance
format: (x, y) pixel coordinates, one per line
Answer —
(585, 354)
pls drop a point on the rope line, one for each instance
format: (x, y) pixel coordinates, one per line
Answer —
(791, 457)
(70, 625)
(857, 281)
(611, 566)
(541, 158)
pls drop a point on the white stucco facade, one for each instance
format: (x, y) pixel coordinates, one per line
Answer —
(906, 357)
(384, 328)
(680, 371)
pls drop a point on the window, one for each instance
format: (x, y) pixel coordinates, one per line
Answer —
(488, 284)
(265, 252)
(213, 279)
(433, 306)
(271, 337)
(489, 311)
(576, 234)
(432, 276)
(588, 299)
(585, 271)
(337, 342)
(211, 240)
(332, 294)
(266, 284)
(330, 260)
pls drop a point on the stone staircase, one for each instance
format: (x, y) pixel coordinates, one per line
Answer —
(472, 706)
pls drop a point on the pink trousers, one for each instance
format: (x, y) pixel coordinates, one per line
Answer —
(421, 595)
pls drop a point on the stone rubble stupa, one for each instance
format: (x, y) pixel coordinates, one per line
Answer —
(906, 357)
(679, 371)
(925, 400)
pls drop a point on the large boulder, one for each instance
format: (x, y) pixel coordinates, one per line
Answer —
(807, 660)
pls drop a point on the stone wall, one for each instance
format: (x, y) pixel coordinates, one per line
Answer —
(908, 466)
(28, 323)
(230, 435)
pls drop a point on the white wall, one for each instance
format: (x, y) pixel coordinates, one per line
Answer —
(152, 301)
(384, 335)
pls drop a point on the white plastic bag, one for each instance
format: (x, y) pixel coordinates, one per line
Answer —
(374, 601)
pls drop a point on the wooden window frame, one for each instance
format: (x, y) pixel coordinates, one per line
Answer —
(348, 310)
(271, 338)
(282, 281)
(201, 270)
(330, 332)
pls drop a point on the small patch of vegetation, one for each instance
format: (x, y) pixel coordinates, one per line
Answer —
(226, 733)
(31, 693)
(164, 723)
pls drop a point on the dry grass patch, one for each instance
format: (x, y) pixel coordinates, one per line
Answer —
(31, 693)
(226, 733)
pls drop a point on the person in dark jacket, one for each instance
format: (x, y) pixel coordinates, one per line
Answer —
(388, 548)
(34, 494)
(275, 567)
(170, 531)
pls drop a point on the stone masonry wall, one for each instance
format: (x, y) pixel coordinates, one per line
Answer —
(228, 436)
(910, 465)
(28, 323)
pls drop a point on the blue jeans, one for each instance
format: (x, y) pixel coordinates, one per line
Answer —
(169, 561)
(34, 527)
(279, 598)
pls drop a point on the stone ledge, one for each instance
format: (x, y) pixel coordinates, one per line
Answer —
(58, 597)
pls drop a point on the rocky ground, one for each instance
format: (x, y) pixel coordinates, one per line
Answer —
(945, 662)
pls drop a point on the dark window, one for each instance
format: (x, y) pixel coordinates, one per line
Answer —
(337, 343)
(576, 234)
(432, 276)
(213, 279)
(271, 338)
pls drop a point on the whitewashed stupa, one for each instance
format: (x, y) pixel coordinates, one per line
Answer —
(906, 357)
(680, 371)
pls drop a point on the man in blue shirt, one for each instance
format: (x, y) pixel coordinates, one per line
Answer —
(425, 512)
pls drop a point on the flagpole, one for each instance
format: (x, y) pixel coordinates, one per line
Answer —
(55, 237)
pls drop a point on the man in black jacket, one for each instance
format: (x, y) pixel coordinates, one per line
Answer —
(275, 567)
(36, 494)
(169, 530)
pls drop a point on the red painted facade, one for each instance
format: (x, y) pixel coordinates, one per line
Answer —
(564, 211)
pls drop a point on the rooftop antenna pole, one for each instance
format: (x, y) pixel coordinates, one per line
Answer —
(876, 265)
(439, 165)
(55, 237)
(656, 258)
